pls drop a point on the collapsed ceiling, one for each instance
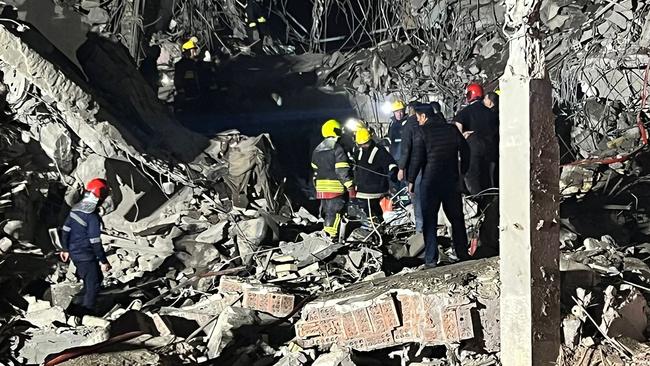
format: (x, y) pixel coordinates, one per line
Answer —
(206, 231)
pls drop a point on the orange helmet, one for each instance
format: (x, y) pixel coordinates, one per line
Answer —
(473, 91)
(98, 187)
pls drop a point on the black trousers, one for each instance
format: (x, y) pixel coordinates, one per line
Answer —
(92, 277)
(479, 175)
(372, 208)
(434, 194)
(330, 210)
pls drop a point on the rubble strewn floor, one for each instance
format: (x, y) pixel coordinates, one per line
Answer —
(216, 252)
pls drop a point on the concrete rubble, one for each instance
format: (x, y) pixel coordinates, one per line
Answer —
(216, 255)
(434, 307)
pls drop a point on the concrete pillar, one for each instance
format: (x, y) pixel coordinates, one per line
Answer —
(529, 198)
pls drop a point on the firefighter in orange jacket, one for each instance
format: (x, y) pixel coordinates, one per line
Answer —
(332, 176)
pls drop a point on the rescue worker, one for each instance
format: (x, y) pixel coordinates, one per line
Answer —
(397, 122)
(480, 126)
(332, 176)
(408, 131)
(187, 77)
(81, 242)
(373, 170)
(436, 151)
(259, 35)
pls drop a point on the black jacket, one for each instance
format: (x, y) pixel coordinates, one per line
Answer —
(81, 232)
(407, 142)
(395, 134)
(331, 169)
(436, 149)
(373, 169)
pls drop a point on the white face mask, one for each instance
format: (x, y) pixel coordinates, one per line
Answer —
(107, 206)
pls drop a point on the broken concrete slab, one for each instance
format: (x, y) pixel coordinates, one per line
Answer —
(213, 234)
(310, 250)
(335, 357)
(62, 293)
(429, 307)
(203, 311)
(250, 234)
(256, 296)
(222, 334)
(49, 341)
(45, 317)
(625, 317)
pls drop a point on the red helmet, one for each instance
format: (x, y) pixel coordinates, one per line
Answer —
(98, 187)
(473, 91)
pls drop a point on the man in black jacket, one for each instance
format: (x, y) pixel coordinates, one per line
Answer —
(374, 167)
(408, 131)
(480, 126)
(436, 151)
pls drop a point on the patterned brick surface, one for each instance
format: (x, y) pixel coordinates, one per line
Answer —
(388, 320)
(231, 284)
(259, 297)
(274, 303)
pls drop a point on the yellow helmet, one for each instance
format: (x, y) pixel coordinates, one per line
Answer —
(498, 92)
(397, 105)
(191, 44)
(331, 128)
(362, 136)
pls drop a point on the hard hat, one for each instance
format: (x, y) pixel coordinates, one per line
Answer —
(473, 91)
(98, 187)
(498, 92)
(397, 105)
(362, 136)
(331, 128)
(191, 44)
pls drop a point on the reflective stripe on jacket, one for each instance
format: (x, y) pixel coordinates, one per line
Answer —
(332, 176)
(81, 234)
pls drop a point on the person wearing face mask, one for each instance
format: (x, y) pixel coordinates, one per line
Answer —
(81, 242)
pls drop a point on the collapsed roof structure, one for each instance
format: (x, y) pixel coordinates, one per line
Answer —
(215, 258)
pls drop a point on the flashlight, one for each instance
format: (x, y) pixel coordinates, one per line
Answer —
(352, 124)
(386, 107)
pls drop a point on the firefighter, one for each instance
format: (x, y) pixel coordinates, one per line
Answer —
(332, 176)
(480, 126)
(187, 77)
(81, 242)
(259, 34)
(397, 122)
(374, 168)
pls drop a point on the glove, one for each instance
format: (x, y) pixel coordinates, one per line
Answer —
(352, 192)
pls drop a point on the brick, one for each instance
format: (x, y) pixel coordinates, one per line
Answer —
(330, 327)
(379, 340)
(231, 284)
(362, 319)
(349, 325)
(274, 303)
(464, 319)
(408, 312)
(450, 325)
(308, 329)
